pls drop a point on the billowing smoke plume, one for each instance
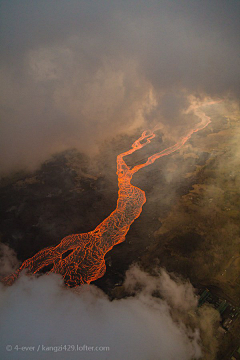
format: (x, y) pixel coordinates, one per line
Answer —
(76, 73)
(157, 320)
(8, 260)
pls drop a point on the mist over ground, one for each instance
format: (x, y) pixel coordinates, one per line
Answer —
(76, 73)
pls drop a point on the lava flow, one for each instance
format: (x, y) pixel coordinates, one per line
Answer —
(79, 258)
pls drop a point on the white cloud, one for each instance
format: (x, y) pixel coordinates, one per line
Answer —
(42, 311)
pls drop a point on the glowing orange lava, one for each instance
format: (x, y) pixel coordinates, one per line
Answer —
(85, 262)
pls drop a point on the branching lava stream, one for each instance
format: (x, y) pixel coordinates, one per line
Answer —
(79, 258)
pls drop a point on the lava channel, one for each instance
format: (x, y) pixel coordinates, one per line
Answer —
(79, 258)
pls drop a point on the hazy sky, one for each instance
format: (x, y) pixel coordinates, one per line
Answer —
(76, 72)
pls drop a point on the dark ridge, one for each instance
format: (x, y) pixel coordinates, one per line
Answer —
(46, 269)
(66, 253)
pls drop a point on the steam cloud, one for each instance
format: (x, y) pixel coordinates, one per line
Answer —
(141, 326)
(8, 260)
(76, 73)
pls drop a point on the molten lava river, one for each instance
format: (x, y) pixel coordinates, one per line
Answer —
(79, 258)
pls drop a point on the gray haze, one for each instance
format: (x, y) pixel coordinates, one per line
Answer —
(75, 73)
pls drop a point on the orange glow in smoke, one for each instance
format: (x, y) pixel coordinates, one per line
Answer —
(79, 258)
